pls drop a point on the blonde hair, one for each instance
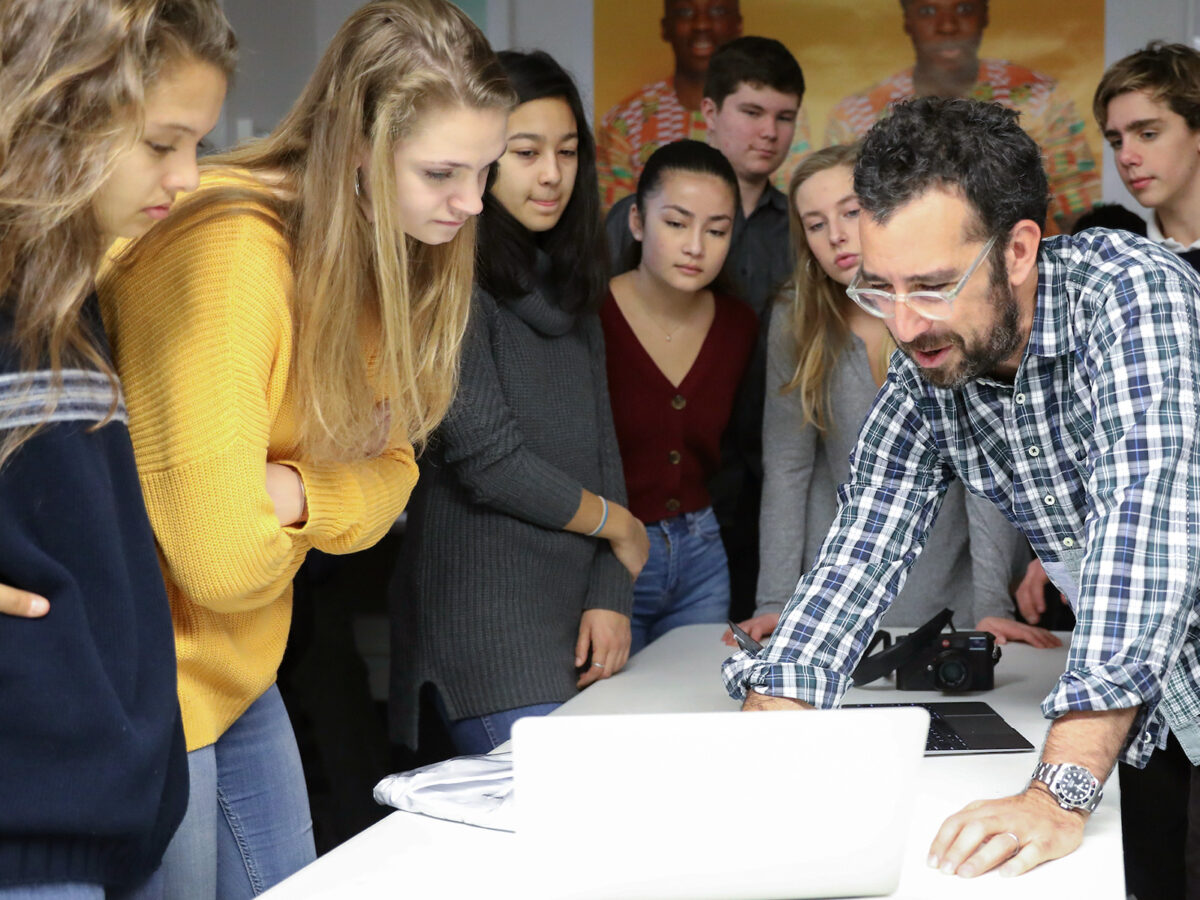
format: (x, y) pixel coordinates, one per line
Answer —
(819, 326)
(390, 66)
(73, 80)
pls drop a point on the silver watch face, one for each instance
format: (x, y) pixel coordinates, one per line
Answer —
(1075, 785)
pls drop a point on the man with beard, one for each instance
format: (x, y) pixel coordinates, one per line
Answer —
(670, 109)
(946, 35)
(1057, 379)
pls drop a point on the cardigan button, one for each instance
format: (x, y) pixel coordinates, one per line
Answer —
(678, 401)
(674, 456)
(673, 505)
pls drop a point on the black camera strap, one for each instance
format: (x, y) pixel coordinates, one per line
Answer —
(889, 659)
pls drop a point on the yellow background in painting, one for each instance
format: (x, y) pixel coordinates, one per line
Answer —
(845, 46)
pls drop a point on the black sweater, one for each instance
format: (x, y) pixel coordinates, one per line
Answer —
(93, 773)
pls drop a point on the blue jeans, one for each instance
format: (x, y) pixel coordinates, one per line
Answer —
(247, 825)
(483, 734)
(686, 579)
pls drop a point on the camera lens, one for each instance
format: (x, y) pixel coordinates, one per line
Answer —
(950, 671)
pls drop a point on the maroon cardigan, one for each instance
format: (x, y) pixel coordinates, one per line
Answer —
(670, 437)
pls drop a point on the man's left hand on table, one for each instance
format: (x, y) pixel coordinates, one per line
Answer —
(1015, 833)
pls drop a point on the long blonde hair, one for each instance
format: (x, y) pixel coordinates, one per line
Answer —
(73, 81)
(390, 65)
(819, 326)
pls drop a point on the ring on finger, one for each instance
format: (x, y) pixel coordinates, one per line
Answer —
(601, 666)
(1015, 838)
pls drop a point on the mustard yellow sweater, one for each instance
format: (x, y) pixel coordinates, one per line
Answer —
(202, 339)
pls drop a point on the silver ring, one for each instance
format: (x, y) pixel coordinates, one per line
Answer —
(1020, 846)
(598, 665)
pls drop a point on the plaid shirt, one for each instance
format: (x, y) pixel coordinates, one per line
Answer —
(1047, 114)
(1092, 452)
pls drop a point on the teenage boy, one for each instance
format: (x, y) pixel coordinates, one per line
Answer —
(1056, 379)
(1148, 107)
(671, 109)
(752, 96)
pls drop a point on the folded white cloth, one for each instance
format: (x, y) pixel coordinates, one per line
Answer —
(474, 790)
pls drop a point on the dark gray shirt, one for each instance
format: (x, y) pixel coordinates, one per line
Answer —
(487, 599)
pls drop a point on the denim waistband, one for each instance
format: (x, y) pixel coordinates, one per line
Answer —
(689, 522)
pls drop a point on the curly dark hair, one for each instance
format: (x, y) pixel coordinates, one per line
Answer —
(976, 148)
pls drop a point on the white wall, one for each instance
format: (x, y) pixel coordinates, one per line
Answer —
(278, 53)
(563, 28)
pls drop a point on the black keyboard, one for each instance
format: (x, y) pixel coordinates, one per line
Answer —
(942, 737)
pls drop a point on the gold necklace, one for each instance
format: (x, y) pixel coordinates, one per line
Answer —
(666, 334)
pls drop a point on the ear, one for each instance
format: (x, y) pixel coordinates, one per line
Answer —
(1022, 250)
(635, 223)
(708, 107)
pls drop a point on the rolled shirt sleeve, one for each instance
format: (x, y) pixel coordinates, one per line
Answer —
(897, 482)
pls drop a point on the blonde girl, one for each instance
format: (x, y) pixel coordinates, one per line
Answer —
(284, 342)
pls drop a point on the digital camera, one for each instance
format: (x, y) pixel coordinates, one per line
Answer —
(953, 662)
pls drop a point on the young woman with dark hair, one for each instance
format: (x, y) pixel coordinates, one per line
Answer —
(677, 350)
(513, 590)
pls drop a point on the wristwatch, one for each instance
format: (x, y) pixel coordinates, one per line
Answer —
(1074, 787)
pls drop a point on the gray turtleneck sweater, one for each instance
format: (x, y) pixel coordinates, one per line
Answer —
(488, 595)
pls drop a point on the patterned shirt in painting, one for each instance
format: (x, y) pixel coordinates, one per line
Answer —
(1047, 114)
(1092, 452)
(644, 121)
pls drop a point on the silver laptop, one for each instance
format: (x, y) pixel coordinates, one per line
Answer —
(728, 806)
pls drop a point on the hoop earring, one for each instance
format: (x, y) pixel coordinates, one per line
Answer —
(358, 182)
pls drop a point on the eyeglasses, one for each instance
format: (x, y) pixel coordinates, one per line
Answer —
(934, 305)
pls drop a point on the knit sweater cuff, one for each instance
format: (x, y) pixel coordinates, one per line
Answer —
(70, 858)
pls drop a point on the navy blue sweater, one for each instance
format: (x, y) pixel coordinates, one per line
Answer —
(93, 772)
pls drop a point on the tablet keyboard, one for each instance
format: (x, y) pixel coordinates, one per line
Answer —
(942, 737)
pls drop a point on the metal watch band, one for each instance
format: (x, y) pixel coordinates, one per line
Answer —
(1074, 787)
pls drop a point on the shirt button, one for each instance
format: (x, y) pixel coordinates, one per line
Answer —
(672, 505)
(674, 456)
(1068, 542)
(678, 401)
(1034, 451)
(1020, 399)
(1049, 499)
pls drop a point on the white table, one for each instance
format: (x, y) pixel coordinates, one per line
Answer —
(412, 856)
